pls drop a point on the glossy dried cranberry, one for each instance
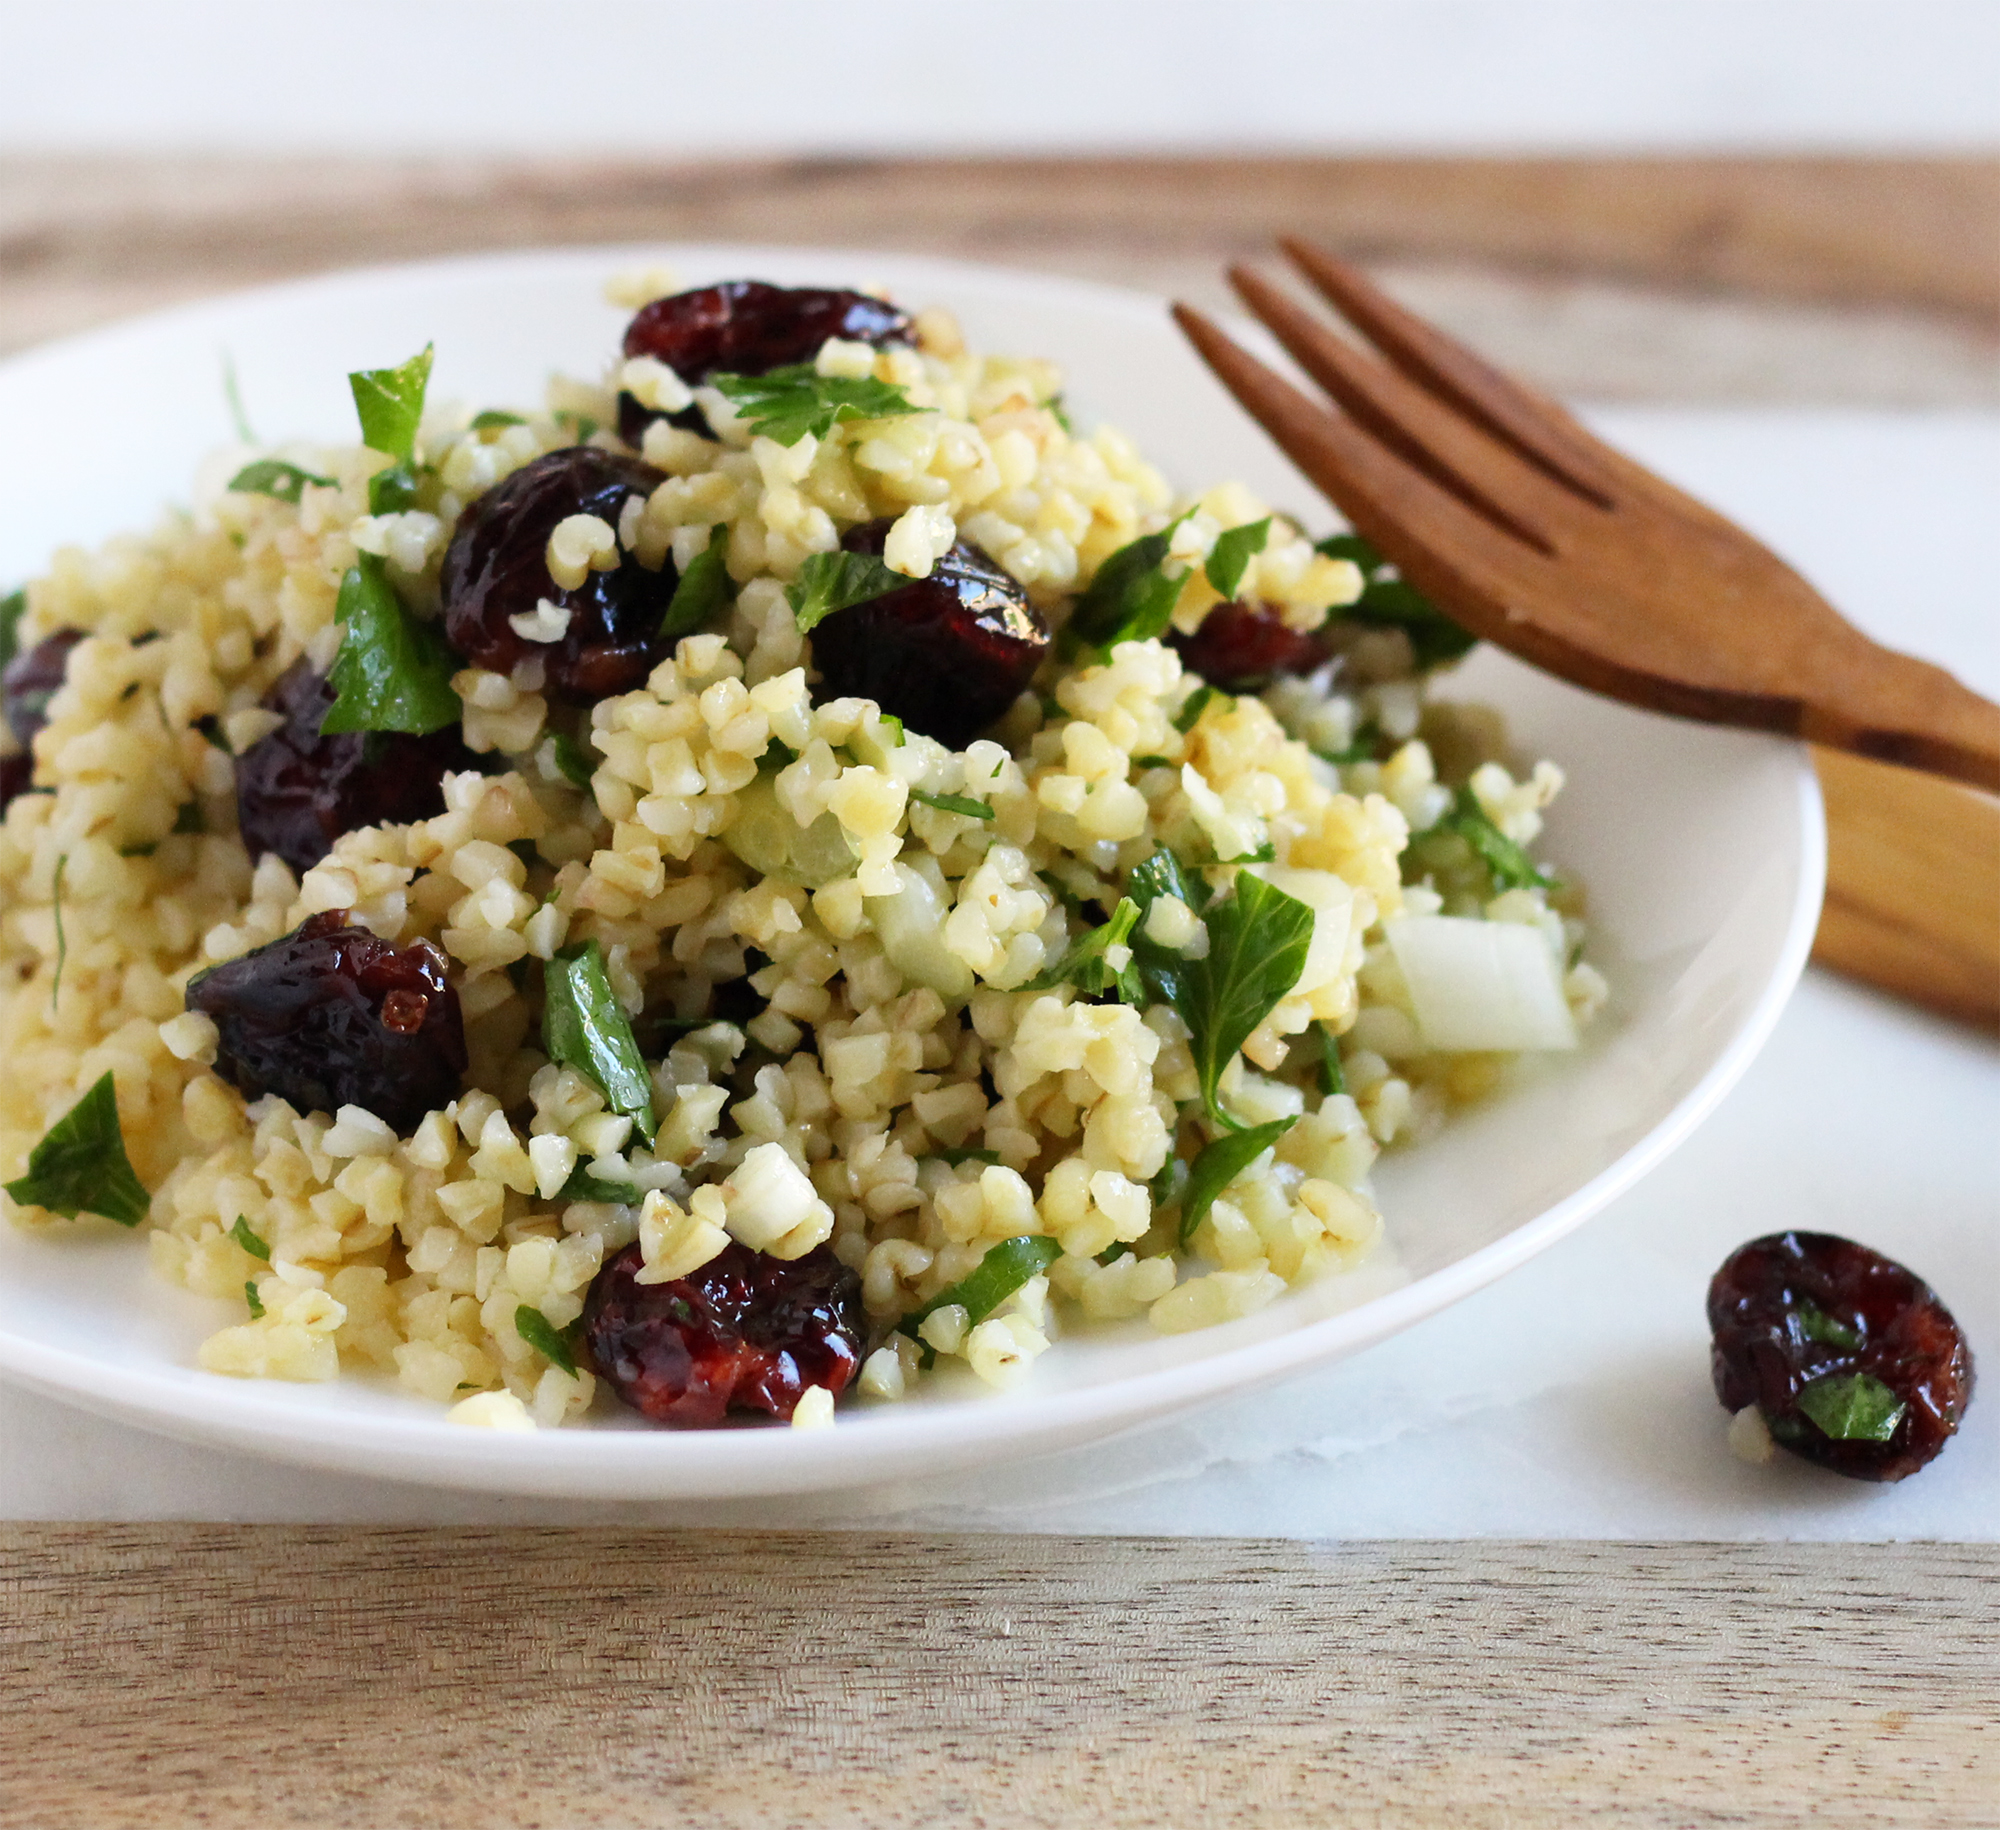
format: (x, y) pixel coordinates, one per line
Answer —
(745, 327)
(31, 681)
(1852, 1360)
(946, 654)
(1242, 648)
(298, 790)
(497, 568)
(744, 1333)
(334, 1016)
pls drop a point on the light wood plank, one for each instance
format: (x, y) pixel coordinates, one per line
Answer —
(237, 1676)
(1738, 279)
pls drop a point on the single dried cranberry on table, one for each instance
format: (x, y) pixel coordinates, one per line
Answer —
(745, 327)
(946, 654)
(332, 1016)
(1851, 1359)
(497, 568)
(1242, 648)
(298, 790)
(745, 1332)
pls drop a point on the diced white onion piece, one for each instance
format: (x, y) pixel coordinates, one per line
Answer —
(1482, 984)
(910, 926)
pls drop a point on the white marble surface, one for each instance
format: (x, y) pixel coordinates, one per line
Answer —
(1572, 1399)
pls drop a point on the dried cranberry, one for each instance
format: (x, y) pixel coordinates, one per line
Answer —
(1799, 1318)
(31, 681)
(745, 327)
(745, 1333)
(17, 774)
(946, 654)
(497, 567)
(334, 1016)
(1243, 647)
(297, 791)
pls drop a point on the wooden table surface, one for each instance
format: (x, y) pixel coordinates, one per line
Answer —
(238, 1676)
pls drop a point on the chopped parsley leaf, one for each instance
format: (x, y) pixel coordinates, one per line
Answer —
(793, 402)
(583, 1186)
(391, 672)
(62, 940)
(1257, 944)
(493, 420)
(1083, 963)
(233, 396)
(572, 759)
(1332, 1079)
(1816, 1325)
(1219, 1164)
(585, 1027)
(703, 589)
(390, 404)
(1390, 603)
(248, 1240)
(1509, 866)
(1231, 554)
(838, 581)
(13, 607)
(1196, 703)
(1132, 597)
(953, 803)
(1004, 1269)
(1852, 1407)
(269, 477)
(80, 1165)
(255, 1302)
(535, 1328)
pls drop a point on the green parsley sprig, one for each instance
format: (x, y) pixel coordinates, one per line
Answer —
(1392, 603)
(391, 672)
(790, 403)
(390, 405)
(585, 1027)
(1506, 863)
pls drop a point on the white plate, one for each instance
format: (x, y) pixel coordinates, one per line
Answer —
(1703, 850)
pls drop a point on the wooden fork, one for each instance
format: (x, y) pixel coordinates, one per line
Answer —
(1541, 539)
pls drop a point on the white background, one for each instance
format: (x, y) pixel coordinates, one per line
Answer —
(856, 76)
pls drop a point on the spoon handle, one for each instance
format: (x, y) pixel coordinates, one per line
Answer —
(1912, 887)
(1878, 702)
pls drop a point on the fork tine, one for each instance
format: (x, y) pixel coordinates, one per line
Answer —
(1464, 458)
(1459, 555)
(1535, 427)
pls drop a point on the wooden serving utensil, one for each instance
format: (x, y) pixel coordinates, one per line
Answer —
(1540, 538)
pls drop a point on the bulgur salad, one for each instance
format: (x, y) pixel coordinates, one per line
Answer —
(784, 869)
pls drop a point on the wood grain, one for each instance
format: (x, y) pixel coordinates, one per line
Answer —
(237, 1677)
(1912, 887)
(1868, 280)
